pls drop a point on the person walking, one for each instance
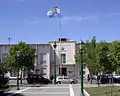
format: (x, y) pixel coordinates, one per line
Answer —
(88, 77)
(98, 80)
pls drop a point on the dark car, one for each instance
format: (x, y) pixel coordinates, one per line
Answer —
(3, 81)
(35, 78)
(105, 79)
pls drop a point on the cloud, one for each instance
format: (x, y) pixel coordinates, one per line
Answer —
(79, 18)
(37, 20)
(90, 17)
(112, 14)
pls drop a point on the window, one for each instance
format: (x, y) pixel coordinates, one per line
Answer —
(63, 58)
(43, 58)
(66, 78)
(4, 55)
(60, 77)
(44, 71)
(42, 62)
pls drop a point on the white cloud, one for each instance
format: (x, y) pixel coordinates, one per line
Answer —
(79, 18)
(90, 17)
(112, 14)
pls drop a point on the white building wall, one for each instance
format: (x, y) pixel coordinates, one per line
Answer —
(69, 48)
(44, 48)
(4, 51)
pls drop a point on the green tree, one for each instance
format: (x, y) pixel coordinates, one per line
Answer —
(108, 56)
(89, 57)
(103, 56)
(20, 57)
(3, 70)
(114, 55)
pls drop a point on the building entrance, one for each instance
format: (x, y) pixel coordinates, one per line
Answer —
(63, 71)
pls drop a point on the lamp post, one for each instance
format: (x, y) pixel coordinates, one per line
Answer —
(18, 54)
(81, 62)
(54, 45)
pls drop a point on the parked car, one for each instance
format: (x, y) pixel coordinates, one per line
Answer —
(3, 81)
(105, 79)
(65, 80)
(35, 78)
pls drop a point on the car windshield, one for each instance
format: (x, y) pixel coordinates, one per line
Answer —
(66, 78)
(60, 77)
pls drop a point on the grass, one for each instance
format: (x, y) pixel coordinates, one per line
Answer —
(103, 91)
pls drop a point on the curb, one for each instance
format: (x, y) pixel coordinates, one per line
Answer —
(86, 93)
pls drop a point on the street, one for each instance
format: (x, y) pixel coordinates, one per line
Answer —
(48, 90)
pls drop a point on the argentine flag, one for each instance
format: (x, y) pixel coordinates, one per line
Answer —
(55, 11)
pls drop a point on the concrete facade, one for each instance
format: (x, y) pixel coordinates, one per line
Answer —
(44, 62)
(68, 48)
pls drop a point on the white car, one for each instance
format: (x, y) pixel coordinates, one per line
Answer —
(116, 76)
(65, 80)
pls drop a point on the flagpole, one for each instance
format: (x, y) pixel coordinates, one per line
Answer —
(60, 45)
(60, 25)
(51, 13)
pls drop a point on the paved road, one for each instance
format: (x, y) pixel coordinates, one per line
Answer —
(48, 90)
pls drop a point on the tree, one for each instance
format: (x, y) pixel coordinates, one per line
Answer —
(89, 57)
(3, 70)
(20, 57)
(108, 56)
(103, 56)
(114, 55)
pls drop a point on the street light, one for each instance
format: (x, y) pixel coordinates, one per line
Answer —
(81, 62)
(54, 45)
(18, 55)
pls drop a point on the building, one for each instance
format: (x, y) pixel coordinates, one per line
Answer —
(44, 62)
(65, 57)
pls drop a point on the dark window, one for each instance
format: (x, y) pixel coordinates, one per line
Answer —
(43, 58)
(63, 58)
(62, 39)
(66, 78)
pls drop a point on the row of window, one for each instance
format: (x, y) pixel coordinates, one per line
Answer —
(63, 58)
(43, 58)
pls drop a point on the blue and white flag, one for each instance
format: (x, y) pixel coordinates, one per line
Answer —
(55, 11)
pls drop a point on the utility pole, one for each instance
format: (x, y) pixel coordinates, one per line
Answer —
(81, 67)
(55, 45)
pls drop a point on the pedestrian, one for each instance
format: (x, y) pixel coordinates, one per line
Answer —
(51, 77)
(88, 78)
(98, 80)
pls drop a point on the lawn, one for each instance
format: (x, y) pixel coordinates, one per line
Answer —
(103, 91)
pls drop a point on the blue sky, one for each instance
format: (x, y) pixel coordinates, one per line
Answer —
(26, 20)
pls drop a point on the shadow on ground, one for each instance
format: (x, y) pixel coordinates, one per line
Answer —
(29, 85)
(8, 94)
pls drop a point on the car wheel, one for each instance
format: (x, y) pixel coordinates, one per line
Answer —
(72, 82)
(58, 82)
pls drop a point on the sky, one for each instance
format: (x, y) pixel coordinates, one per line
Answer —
(26, 20)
